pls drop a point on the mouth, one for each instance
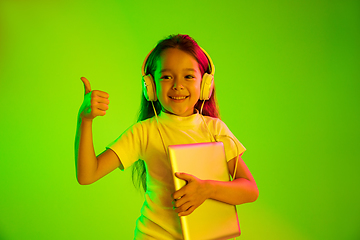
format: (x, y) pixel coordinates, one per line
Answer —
(178, 97)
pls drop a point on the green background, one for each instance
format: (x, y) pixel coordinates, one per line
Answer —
(287, 78)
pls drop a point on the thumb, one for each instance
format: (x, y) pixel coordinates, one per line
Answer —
(185, 176)
(86, 85)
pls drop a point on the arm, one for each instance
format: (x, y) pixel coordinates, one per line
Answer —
(90, 168)
(242, 189)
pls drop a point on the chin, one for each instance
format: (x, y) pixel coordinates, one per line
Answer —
(183, 113)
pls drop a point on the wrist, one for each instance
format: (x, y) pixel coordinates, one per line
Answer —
(210, 188)
(84, 120)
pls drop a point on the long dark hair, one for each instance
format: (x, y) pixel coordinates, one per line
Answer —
(188, 45)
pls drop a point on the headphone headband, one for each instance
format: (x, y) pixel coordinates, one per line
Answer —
(144, 63)
(212, 67)
(212, 72)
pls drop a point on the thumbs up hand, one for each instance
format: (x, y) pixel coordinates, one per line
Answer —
(95, 102)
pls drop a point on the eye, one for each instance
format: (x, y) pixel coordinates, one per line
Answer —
(165, 77)
(189, 77)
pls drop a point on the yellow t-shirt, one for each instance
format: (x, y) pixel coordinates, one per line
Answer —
(158, 219)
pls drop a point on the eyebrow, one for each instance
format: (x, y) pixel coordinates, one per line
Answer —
(184, 69)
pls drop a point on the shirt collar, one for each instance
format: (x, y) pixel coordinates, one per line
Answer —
(168, 118)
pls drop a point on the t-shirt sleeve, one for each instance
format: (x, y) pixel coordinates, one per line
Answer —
(128, 146)
(232, 145)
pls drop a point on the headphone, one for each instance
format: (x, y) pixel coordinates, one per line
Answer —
(206, 88)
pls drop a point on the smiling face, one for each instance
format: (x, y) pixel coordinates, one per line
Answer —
(177, 78)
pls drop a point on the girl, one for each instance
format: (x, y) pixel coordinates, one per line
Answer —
(177, 66)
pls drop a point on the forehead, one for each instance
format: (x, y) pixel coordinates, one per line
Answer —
(173, 58)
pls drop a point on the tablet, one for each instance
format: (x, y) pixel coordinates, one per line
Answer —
(212, 219)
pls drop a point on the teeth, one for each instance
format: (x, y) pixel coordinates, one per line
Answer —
(178, 98)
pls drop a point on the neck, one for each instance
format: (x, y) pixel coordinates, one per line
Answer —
(166, 111)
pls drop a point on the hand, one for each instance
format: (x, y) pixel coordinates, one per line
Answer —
(191, 196)
(95, 102)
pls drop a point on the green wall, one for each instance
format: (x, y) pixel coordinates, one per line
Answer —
(287, 78)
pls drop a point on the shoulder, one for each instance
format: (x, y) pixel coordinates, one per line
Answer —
(143, 125)
(139, 131)
(209, 118)
(214, 121)
(219, 126)
(147, 122)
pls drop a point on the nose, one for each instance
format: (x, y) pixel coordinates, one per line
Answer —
(177, 84)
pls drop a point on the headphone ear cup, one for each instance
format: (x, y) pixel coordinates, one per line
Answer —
(149, 89)
(207, 86)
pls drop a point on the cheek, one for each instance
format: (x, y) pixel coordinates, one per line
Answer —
(197, 88)
(161, 91)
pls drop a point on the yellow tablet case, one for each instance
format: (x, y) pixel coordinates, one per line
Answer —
(212, 219)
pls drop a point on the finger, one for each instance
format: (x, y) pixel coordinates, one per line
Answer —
(179, 193)
(183, 207)
(98, 99)
(87, 86)
(97, 112)
(101, 106)
(181, 201)
(103, 100)
(187, 212)
(100, 94)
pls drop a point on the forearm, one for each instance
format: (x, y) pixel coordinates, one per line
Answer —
(85, 158)
(236, 192)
